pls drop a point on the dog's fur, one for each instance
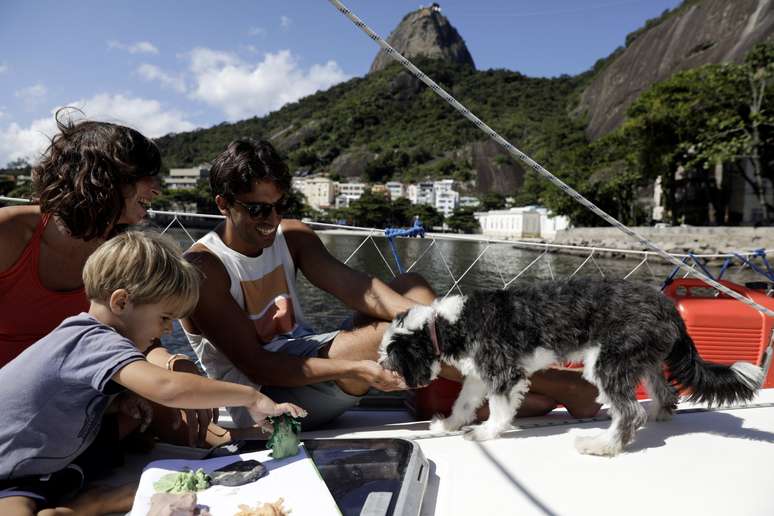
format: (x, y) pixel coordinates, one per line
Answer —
(623, 332)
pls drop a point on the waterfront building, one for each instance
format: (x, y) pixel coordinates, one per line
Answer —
(522, 222)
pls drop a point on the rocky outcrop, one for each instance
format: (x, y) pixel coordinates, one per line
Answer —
(351, 164)
(495, 170)
(425, 32)
(697, 33)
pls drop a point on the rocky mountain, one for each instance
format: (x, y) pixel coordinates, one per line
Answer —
(696, 33)
(425, 32)
(388, 125)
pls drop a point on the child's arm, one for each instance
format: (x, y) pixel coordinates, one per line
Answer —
(186, 390)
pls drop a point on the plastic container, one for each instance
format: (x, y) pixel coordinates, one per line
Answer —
(724, 329)
(367, 477)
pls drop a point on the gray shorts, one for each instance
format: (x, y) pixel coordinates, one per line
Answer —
(323, 401)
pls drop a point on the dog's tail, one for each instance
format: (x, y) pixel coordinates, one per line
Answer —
(707, 382)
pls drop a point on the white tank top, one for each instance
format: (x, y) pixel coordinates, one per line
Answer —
(263, 286)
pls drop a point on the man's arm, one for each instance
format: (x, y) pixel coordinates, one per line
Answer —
(361, 292)
(223, 322)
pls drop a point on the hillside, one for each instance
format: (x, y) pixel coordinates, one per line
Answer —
(696, 33)
(389, 125)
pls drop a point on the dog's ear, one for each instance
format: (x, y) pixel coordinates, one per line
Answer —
(449, 308)
(417, 316)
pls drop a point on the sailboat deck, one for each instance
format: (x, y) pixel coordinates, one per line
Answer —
(702, 462)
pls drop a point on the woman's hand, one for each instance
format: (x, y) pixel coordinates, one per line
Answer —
(137, 408)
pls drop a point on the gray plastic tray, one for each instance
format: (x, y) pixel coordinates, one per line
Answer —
(367, 477)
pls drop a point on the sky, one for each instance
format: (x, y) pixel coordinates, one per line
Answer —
(162, 66)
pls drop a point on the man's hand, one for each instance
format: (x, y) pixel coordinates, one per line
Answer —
(197, 421)
(379, 378)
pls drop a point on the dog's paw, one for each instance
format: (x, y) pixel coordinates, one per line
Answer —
(481, 433)
(661, 413)
(439, 424)
(597, 445)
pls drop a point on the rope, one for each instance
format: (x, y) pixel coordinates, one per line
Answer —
(533, 164)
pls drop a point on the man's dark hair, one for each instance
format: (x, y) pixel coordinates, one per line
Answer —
(84, 172)
(243, 162)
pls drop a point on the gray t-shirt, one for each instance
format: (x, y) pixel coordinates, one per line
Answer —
(53, 395)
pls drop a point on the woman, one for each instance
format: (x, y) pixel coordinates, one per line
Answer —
(94, 178)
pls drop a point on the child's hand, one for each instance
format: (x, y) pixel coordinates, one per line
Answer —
(137, 408)
(265, 407)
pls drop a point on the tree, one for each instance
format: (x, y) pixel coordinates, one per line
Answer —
(492, 201)
(462, 220)
(710, 114)
(427, 214)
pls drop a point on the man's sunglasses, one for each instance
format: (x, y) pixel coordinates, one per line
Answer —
(263, 209)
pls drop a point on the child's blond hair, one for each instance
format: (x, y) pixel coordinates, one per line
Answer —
(149, 266)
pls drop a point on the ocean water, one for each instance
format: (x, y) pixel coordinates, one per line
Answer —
(444, 263)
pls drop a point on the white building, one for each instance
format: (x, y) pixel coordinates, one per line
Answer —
(320, 192)
(396, 189)
(186, 178)
(425, 193)
(524, 222)
(467, 201)
(446, 201)
(348, 192)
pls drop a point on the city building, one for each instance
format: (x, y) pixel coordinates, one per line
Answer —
(446, 201)
(348, 192)
(523, 222)
(186, 178)
(320, 191)
(396, 189)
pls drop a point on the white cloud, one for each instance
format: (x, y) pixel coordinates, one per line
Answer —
(244, 89)
(285, 22)
(3, 68)
(147, 116)
(257, 31)
(27, 143)
(141, 47)
(32, 96)
(151, 72)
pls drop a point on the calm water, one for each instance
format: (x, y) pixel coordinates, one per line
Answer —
(500, 264)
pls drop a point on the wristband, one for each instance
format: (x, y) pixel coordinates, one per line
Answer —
(174, 357)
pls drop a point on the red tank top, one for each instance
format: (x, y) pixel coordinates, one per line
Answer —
(28, 310)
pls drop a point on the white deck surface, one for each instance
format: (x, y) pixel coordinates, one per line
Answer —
(701, 463)
(704, 463)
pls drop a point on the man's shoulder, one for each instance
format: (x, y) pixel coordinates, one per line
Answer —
(208, 263)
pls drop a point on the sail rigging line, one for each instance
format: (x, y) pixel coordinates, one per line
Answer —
(515, 152)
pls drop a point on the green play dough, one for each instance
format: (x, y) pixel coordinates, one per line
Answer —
(284, 441)
(183, 482)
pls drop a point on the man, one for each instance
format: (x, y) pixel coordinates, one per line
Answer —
(249, 326)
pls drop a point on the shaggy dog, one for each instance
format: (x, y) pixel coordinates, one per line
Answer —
(623, 332)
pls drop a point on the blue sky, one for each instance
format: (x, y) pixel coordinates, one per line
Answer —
(164, 66)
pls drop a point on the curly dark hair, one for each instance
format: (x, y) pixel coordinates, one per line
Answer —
(244, 161)
(83, 175)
